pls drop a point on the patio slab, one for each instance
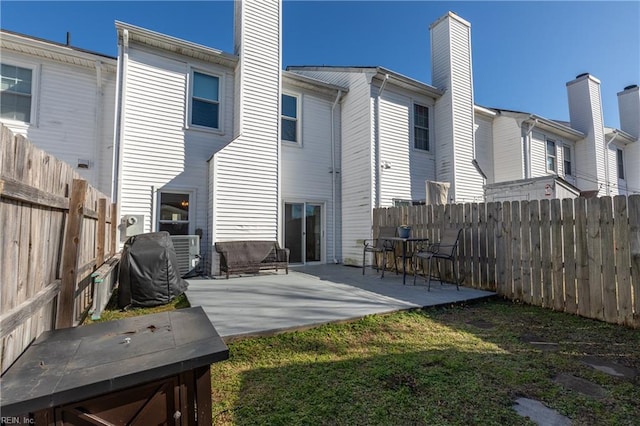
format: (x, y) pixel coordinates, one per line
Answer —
(270, 303)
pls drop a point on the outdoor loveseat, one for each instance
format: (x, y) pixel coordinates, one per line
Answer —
(251, 256)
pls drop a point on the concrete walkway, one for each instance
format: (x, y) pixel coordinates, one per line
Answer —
(269, 303)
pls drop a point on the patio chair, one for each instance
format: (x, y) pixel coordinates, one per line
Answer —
(445, 249)
(380, 245)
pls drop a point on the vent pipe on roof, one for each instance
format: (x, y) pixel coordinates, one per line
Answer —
(582, 75)
(68, 38)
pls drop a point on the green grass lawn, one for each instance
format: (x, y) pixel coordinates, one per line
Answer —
(463, 365)
(427, 367)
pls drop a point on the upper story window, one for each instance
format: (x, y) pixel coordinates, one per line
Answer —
(289, 119)
(205, 100)
(551, 156)
(16, 93)
(566, 159)
(420, 127)
(620, 157)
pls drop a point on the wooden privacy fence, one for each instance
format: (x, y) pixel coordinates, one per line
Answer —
(55, 231)
(580, 256)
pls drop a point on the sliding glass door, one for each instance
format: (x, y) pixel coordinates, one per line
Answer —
(303, 232)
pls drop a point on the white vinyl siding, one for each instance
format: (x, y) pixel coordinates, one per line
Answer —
(158, 153)
(72, 115)
(454, 118)
(246, 171)
(306, 169)
(484, 145)
(508, 151)
(407, 168)
(585, 111)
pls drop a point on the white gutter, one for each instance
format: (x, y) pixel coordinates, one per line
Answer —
(377, 139)
(98, 128)
(123, 57)
(527, 147)
(333, 173)
(606, 161)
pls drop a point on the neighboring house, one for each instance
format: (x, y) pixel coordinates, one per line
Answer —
(566, 159)
(62, 98)
(229, 146)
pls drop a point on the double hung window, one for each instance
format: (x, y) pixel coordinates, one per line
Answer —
(620, 158)
(205, 100)
(16, 93)
(289, 119)
(420, 127)
(551, 156)
(566, 159)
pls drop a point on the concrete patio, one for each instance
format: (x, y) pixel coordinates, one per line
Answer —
(269, 303)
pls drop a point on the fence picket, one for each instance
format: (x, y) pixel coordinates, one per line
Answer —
(582, 258)
(525, 250)
(33, 187)
(595, 259)
(568, 239)
(579, 256)
(623, 260)
(607, 250)
(536, 258)
(556, 255)
(515, 250)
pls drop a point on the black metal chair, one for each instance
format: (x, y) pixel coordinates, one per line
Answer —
(380, 246)
(445, 249)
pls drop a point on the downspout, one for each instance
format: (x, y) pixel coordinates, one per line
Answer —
(527, 147)
(98, 128)
(606, 162)
(377, 139)
(333, 173)
(123, 56)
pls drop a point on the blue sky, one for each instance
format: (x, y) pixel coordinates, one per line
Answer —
(523, 52)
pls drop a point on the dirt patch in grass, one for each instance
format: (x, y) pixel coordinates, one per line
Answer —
(437, 366)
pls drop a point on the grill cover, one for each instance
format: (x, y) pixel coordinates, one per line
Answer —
(149, 274)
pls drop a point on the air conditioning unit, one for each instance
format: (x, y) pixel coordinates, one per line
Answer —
(187, 249)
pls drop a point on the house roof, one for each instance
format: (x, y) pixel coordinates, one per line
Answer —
(376, 72)
(175, 45)
(306, 82)
(613, 134)
(48, 49)
(544, 123)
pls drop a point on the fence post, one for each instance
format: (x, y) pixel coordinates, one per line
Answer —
(113, 229)
(634, 247)
(72, 241)
(102, 229)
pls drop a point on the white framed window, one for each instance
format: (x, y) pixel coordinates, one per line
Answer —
(567, 160)
(551, 156)
(205, 100)
(620, 159)
(174, 212)
(421, 127)
(290, 118)
(16, 94)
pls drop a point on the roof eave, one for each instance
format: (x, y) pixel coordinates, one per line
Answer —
(172, 44)
(55, 51)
